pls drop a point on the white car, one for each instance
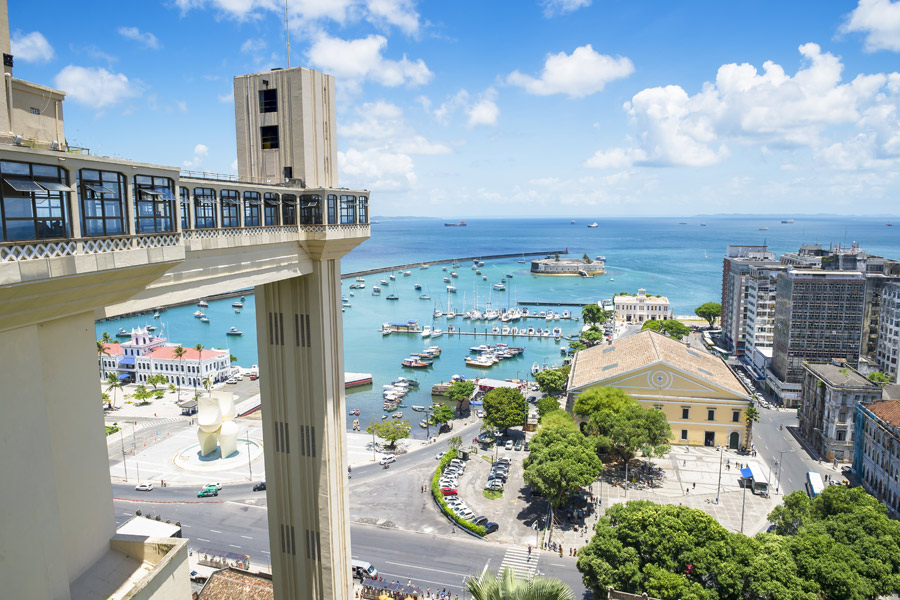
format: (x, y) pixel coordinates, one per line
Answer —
(509, 445)
(144, 487)
(467, 514)
(231, 381)
(218, 486)
(479, 413)
(387, 460)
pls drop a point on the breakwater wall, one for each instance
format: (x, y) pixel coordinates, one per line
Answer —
(450, 260)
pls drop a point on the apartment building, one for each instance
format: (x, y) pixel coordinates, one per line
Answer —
(876, 451)
(735, 282)
(760, 324)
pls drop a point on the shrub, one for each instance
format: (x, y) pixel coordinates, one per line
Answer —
(492, 494)
(439, 497)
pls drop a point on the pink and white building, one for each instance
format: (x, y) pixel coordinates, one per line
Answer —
(144, 355)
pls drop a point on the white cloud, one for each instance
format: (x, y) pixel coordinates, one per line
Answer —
(485, 110)
(146, 38)
(561, 7)
(362, 59)
(377, 168)
(94, 86)
(879, 20)
(252, 46)
(182, 105)
(227, 97)
(770, 109)
(448, 107)
(201, 151)
(580, 74)
(399, 13)
(31, 47)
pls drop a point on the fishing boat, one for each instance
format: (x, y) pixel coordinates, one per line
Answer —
(237, 304)
(763, 228)
(417, 408)
(593, 225)
(415, 363)
(204, 319)
(354, 411)
(479, 361)
(234, 331)
(202, 304)
(423, 424)
(398, 415)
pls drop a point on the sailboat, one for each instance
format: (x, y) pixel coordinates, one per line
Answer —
(521, 261)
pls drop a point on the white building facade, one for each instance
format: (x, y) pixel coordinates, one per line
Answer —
(641, 308)
(889, 330)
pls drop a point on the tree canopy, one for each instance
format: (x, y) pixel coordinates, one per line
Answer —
(505, 407)
(552, 381)
(460, 391)
(594, 335)
(593, 314)
(441, 414)
(390, 430)
(878, 378)
(670, 327)
(509, 586)
(547, 404)
(560, 460)
(709, 311)
(620, 425)
(839, 545)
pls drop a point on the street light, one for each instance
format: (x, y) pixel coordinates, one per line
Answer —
(780, 467)
(249, 465)
(719, 485)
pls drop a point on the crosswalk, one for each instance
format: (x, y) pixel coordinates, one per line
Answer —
(521, 562)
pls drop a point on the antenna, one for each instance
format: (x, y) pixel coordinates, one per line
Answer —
(287, 33)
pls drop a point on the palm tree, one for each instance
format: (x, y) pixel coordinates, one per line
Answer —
(101, 350)
(752, 416)
(208, 383)
(508, 586)
(179, 353)
(105, 338)
(199, 349)
(113, 383)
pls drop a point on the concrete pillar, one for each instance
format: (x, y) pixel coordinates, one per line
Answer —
(301, 363)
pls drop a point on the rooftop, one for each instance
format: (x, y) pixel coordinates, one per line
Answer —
(887, 410)
(646, 348)
(168, 353)
(839, 377)
(234, 584)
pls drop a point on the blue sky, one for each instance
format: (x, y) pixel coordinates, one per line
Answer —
(581, 108)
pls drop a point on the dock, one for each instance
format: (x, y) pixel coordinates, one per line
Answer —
(451, 260)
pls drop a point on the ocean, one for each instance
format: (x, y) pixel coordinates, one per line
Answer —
(662, 255)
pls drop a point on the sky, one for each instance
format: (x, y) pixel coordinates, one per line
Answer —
(492, 108)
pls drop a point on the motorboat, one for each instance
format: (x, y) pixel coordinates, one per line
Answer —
(202, 304)
(417, 286)
(424, 297)
(197, 314)
(436, 332)
(535, 369)
(204, 319)
(122, 333)
(451, 289)
(426, 331)
(593, 225)
(360, 279)
(446, 280)
(499, 286)
(234, 331)
(237, 304)
(424, 266)
(417, 408)
(415, 363)
(454, 274)
(407, 273)
(480, 348)
(504, 331)
(392, 296)
(495, 330)
(376, 290)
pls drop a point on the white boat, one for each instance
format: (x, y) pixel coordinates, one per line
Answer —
(383, 282)
(480, 348)
(376, 290)
(392, 276)
(360, 279)
(446, 280)
(535, 369)
(531, 331)
(234, 331)
(437, 313)
(443, 268)
(202, 304)
(407, 273)
(424, 266)
(198, 314)
(450, 314)
(592, 225)
(204, 319)
(436, 332)
(451, 289)
(156, 315)
(454, 274)
(417, 408)
(426, 331)
(495, 330)
(557, 331)
(499, 286)
(504, 331)
(565, 314)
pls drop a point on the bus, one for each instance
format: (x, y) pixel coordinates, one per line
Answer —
(814, 484)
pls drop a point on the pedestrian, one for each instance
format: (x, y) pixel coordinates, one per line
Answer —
(684, 464)
(695, 485)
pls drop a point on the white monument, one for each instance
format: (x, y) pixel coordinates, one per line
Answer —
(216, 426)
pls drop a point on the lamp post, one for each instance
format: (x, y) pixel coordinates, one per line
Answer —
(780, 467)
(427, 425)
(743, 504)
(719, 485)
(249, 464)
(124, 464)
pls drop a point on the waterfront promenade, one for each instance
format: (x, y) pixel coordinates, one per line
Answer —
(451, 260)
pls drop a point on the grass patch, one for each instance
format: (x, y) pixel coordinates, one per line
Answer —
(492, 494)
(490, 459)
(111, 430)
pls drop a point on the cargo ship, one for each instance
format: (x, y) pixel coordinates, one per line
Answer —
(460, 224)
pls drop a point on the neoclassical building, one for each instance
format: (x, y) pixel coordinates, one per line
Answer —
(703, 400)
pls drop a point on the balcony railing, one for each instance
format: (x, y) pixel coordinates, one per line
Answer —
(35, 249)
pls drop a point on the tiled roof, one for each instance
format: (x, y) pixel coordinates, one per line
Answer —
(232, 584)
(888, 411)
(113, 349)
(646, 348)
(168, 352)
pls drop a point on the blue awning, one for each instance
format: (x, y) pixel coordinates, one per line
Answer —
(746, 473)
(126, 360)
(124, 376)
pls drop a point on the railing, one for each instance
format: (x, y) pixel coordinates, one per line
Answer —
(226, 177)
(199, 234)
(34, 249)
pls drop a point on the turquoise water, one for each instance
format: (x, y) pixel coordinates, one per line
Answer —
(683, 262)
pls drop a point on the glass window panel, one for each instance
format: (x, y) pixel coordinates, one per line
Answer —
(17, 207)
(8, 167)
(20, 230)
(112, 208)
(55, 186)
(93, 227)
(92, 208)
(23, 185)
(90, 174)
(114, 227)
(45, 171)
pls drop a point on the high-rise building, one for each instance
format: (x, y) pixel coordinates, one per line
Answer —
(818, 317)
(760, 323)
(735, 272)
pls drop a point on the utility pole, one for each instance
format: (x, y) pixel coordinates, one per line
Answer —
(743, 504)
(780, 467)
(719, 485)
(124, 464)
(249, 465)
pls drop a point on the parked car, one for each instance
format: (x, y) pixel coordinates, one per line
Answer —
(532, 399)
(447, 490)
(260, 487)
(466, 514)
(207, 491)
(231, 380)
(218, 486)
(480, 520)
(254, 376)
(509, 445)
(490, 527)
(387, 460)
(479, 413)
(144, 487)
(494, 485)
(518, 445)
(526, 446)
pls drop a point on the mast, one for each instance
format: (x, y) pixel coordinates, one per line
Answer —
(287, 33)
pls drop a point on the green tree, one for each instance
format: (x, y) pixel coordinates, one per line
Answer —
(593, 314)
(208, 384)
(105, 338)
(560, 461)
(460, 391)
(157, 380)
(709, 311)
(101, 350)
(879, 378)
(669, 327)
(586, 258)
(455, 443)
(789, 516)
(391, 430)
(179, 353)
(441, 414)
(547, 404)
(113, 384)
(552, 381)
(232, 358)
(594, 335)
(140, 393)
(508, 586)
(576, 347)
(621, 426)
(558, 420)
(199, 348)
(504, 408)
(751, 416)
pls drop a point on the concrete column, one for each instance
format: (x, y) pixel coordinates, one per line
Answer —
(301, 362)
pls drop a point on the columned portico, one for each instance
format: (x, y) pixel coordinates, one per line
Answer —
(301, 359)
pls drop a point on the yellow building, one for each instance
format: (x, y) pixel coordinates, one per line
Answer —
(703, 400)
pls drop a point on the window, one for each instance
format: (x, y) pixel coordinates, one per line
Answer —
(35, 111)
(684, 435)
(841, 435)
(271, 208)
(363, 204)
(332, 209)
(348, 210)
(34, 201)
(268, 101)
(289, 209)
(251, 209)
(101, 194)
(230, 202)
(735, 416)
(154, 204)
(685, 412)
(185, 207)
(710, 414)
(311, 209)
(204, 208)
(269, 137)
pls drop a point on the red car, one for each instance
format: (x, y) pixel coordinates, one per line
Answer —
(448, 491)
(254, 377)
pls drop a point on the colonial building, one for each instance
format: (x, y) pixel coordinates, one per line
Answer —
(876, 451)
(703, 400)
(641, 307)
(888, 340)
(830, 394)
(145, 355)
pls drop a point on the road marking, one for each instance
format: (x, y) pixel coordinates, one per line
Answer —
(202, 540)
(557, 564)
(183, 525)
(233, 546)
(214, 531)
(246, 537)
(426, 568)
(485, 566)
(440, 583)
(265, 551)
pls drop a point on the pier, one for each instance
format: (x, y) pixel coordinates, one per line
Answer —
(450, 260)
